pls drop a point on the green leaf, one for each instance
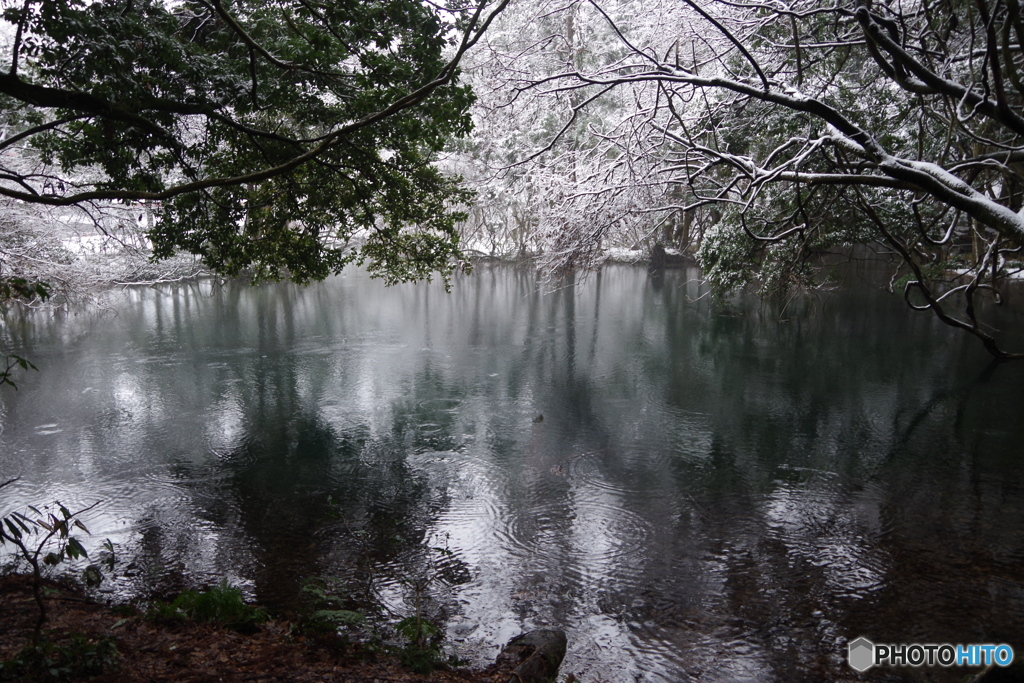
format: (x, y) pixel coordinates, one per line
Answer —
(19, 519)
(15, 531)
(75, 549)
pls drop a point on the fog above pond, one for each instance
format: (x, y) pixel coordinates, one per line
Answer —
(689, 492)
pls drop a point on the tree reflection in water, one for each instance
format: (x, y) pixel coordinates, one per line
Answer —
(711, 491)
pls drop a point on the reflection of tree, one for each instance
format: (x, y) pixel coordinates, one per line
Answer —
(732, 485)
(751, 468)
(834, 494)
(952, 500)
(289, 487)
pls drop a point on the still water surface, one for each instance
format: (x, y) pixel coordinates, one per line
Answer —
(692, 495)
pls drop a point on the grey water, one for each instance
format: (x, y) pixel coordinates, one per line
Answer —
(692, 491)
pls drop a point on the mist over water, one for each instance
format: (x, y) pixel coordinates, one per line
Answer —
(689, 493)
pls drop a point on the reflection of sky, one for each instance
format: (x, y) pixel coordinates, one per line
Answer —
(694, 496)
(225, 424)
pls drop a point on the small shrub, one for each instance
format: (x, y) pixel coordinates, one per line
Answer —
(33, 533)
(422, 652)
(417, 631)
(416, 641)
(328, 609)
(419, 660)
(79, 658)
(222, 604)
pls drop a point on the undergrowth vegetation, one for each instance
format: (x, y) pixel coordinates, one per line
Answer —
(416, 641)
(74, 660)
(42, 539)
(222, 604)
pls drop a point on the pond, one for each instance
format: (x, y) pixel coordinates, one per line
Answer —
(691, 491)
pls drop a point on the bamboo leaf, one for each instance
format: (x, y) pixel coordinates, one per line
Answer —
(14, 529)
(22, 524)
(75, 549)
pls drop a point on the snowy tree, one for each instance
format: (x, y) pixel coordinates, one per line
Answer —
(808, 126)
(78, 251)
(558, 171)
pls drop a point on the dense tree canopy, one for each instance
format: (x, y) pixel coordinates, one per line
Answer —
(281, 139)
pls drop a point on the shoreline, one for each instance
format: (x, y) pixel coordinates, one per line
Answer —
(149, 649)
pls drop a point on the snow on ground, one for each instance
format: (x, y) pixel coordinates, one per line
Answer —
(623, 255)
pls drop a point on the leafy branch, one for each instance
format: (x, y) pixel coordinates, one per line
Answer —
(13, 362)
(44, 538)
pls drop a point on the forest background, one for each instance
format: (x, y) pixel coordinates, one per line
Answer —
(146, 142)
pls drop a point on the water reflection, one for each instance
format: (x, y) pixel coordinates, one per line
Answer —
(706, 496)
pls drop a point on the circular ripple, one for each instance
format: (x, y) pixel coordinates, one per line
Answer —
(445, 405)
(475, 510)
(586, 540)
(592, 469)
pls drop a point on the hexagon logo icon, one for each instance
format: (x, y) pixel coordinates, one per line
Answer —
(862, 654)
